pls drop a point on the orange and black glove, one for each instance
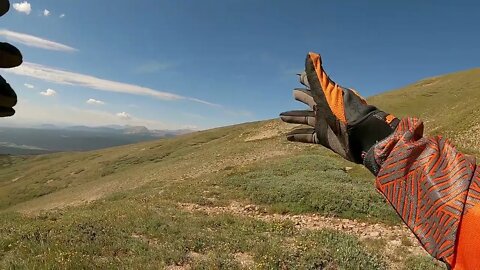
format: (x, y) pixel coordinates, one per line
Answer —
(339, 118)
(9, 57)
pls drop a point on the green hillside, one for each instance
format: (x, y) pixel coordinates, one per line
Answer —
(238, 197)
(449, 106)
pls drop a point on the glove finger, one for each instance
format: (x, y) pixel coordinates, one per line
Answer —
(299, 117)
(303, 79)
(333, 142)
(304, 135)
(325, 91)
(304, 96)
(5, 112)
(327, 137)
(8, 98)
(10, 56)
(4, 7)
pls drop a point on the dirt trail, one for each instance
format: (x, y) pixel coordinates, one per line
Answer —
(396, 237)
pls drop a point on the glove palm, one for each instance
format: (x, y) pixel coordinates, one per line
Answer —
(339, 118)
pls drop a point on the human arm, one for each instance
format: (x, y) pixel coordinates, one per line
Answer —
(432, 186)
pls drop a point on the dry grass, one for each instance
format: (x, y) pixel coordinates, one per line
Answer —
(118, 207)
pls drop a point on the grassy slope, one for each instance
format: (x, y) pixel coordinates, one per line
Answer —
(134, 220)
(139, 224)
(449, 106)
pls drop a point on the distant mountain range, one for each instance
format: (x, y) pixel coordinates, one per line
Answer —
(49, 138)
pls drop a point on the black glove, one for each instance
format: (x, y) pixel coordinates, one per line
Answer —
(340, 119)
(9, 57)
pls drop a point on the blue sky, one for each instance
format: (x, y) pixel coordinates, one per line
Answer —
(202, 64)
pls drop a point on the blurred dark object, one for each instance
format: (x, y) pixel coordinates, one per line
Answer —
(10, 57)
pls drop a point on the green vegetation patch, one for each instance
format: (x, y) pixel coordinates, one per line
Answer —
(308, 183)
(423, 263)
(155, 235)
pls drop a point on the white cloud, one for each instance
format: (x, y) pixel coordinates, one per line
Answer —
(93, 101)
(34, 41)
(191, 127)
(46, 12)
(23, 7)
(62, 15)
(30, 86)
(34, 113)
(70, 78)
(48, 93)
(124, 116)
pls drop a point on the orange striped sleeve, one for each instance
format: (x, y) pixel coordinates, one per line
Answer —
(467, 249)
(435, 190)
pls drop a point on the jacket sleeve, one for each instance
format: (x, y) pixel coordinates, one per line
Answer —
(434, 188)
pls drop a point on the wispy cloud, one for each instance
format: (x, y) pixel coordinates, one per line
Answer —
(93, 101)
(124, 116)
(71, 78)
(23, 7)
(30, 86)
(46, 12)
(34, 41)
(48, 93)
(34, 113)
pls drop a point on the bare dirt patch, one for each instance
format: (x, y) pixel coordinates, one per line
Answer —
(245, 260)
(270, 130)
(397, 241)
(178, 267)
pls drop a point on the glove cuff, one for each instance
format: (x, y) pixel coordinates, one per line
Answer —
(369, 130)
(370, 163)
